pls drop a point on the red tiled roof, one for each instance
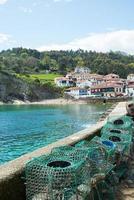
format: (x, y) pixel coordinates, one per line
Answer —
(130, 86)
(106, 85)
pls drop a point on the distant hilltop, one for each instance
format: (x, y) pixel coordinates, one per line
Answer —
(29, 61)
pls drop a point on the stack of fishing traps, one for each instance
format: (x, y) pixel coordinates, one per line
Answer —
(89, 170)
(55, 178)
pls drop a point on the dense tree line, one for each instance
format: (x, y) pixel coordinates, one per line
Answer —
(25, 61)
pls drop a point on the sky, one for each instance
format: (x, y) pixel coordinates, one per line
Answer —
(98, 25)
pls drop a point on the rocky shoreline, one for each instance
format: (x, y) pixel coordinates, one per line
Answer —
(64, 101)
(59, 101)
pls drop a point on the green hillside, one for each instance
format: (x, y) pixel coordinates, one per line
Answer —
(28, 61)
(43, 78)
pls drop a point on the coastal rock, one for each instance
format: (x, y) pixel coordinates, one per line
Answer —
(15, 89)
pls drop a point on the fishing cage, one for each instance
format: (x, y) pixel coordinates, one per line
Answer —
(98, 153)
(111, 129)
(102, 143)
(97, 157)
(54, 177)
(80, 153)
(71, 152)
(123, 123)
(123, 142)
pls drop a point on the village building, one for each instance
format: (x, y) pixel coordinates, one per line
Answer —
(96, 79)
(130, 77)
(83, 83)
(130, 89)
(64, 82)
(111, 78)
(77, 92)
(82, 70)
(108, 90)
(81, 76)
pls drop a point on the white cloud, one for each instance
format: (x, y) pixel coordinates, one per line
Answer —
(4, 38)
(3, 1)
(119, 40)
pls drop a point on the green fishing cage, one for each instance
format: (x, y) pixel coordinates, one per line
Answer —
(121, 125)
(123, 142)
(54, 177)
(109, 147)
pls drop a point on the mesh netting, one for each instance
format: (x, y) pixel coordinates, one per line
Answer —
(93, 156)
(123, 142)
(98, 153)
(102, 143)
(112, 129)
(124, 123)
(71, 152)
(54, 178)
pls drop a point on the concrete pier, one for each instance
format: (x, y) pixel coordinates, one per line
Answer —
(12, 185)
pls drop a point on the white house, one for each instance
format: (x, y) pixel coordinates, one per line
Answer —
(81, 76)
(130, 77)
(96, 79)
(82, 70)
(64, 82)
(83, 83)
(77, 92)
(130, 89)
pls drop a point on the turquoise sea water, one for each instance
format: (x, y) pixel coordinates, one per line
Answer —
(26, 128)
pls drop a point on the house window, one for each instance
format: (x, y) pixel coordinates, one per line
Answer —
(116, 89)
(63, 81)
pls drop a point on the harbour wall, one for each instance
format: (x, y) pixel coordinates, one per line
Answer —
(105, 100)
(12, 182)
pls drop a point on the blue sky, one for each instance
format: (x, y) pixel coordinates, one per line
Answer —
(100, 25)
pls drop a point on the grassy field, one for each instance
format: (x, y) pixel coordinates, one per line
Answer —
(43, 78)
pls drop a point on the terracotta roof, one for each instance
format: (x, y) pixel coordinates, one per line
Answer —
(130, 86)
(106, 85)
(130, 82)
(115, 82)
